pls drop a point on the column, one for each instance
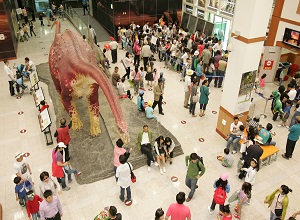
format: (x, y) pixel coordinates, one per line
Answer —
(249, 32)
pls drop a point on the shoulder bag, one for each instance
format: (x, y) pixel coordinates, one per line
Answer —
(133, 177)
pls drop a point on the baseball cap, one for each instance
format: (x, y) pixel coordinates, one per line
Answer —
(18, 154)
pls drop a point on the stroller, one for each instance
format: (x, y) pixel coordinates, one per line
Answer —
(20, 73)
(21, 70)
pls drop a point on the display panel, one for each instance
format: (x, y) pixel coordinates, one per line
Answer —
(200, 25)
(44, 119)
(291, 37)
(209, 27)
(192, 24)
(185, 20)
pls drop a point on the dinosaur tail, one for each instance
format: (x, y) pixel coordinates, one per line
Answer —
(57, 23)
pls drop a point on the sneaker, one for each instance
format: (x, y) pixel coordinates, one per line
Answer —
(149, 169)
(121, 199)
(236, 208)
(164, 169)
(234, 152)
(70, 181)
(66, 188)
(237, 216)
(279, 125)
(188, 199)
(285, 157)
(171, 162)
(287, 127)
(161, 171)
(156, 164)
(209, 210)
(78, 174)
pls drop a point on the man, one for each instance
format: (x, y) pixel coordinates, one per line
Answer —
(185, 63)
(145, 53)
(29, 65)
(62, 135)
(234, 136)
(297, 113)
(292, 139)
(215, 39)
(85, 6)
(112, 213)
(206, 55)
(253, 151)
(158, 96)
(144, 142)
(218, 46)
(115, 77)
(123, 174)
(222, 64)
(113, 48)
(93, 34)
(22, 168)
(292, 92)
(266, 136)
(50, 208)
(178, 211)
(195, 169)
(11, 78)
(187, 88)
(48, 15)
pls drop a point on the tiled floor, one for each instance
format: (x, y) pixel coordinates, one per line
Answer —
(152, 190)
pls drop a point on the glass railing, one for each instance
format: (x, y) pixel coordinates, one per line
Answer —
(74, 18)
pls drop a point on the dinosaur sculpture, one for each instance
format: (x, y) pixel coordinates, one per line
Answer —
(75, 73)
(277, 104)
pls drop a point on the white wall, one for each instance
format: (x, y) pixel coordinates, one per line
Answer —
(289, 10)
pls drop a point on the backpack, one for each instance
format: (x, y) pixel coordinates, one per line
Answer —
(220, 196)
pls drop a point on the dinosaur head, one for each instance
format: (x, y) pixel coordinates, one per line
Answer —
(276, 94)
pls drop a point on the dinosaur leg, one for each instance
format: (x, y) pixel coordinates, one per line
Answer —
(92, 97)
(71, 109)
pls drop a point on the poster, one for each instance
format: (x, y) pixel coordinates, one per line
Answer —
(245, 91)
(44, 119)
(268, 65)
(38, 96)
(34, 78)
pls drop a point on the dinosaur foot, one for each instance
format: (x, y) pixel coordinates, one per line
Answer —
(76, 123)
(95, 129)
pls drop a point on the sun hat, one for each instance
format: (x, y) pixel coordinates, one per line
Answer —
(18, 154)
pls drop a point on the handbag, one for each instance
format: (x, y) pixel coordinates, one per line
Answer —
(195, 98)
(133, 177)
(278, 212)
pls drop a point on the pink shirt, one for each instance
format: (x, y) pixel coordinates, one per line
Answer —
(229, 217)
(118, 151)
(262, 83)
(178, 212)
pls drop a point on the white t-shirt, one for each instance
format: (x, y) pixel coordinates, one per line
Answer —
(8, 72)
(123, 175)
(30, 63)
(217, 46)
(21, 168)
(235, 127)
(145, 138)
(113, 45)
(292, 94)
(184, 58)
(187, 83)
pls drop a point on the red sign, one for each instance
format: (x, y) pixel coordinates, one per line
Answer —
(268, 64)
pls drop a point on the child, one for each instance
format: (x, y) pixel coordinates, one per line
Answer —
(282, 74)
(123, 39)
(251, 173)
(262, 84)
(43, 105)
(68, 170)
(286, 114)
(244, 141)
(242, 199)
(227, 159)
(142, 78)
(21, 32)
(33, 205)
(149, 75)
(225, 214)
(159, 214)
(41, 18)
(149, 111)
(123, 91)
(20, 190)
(26, 30)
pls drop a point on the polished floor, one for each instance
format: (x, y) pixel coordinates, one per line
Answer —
(152, 190)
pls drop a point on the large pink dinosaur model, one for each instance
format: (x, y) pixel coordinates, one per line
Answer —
(75, 73)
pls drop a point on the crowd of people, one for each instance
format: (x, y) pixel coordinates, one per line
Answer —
(200, 60)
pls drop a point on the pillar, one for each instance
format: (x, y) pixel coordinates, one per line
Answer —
(249, 32)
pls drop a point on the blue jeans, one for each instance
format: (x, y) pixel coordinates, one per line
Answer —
(272, 216)
(62, 181)
(115, 170)
(128, 192)
(23, 201)
(191, 183)
(293, 120)
(69, 171)
(234, 141)
(35, 216)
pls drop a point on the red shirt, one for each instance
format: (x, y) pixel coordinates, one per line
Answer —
(178, 212)
(33, 206)
(228, 217)
(44, 107)
(63, 135)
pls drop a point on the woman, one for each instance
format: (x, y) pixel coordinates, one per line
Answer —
(194, 98)
(137, 52)
(49, 184)
(58, 164)
(210, 70)
(127, 62)
(204, 93)
(149, 75)
(160, 153)
(222, 183)
(199, 70)
(31, 26)
(278, 201)
(136, 74)
(169, 147)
